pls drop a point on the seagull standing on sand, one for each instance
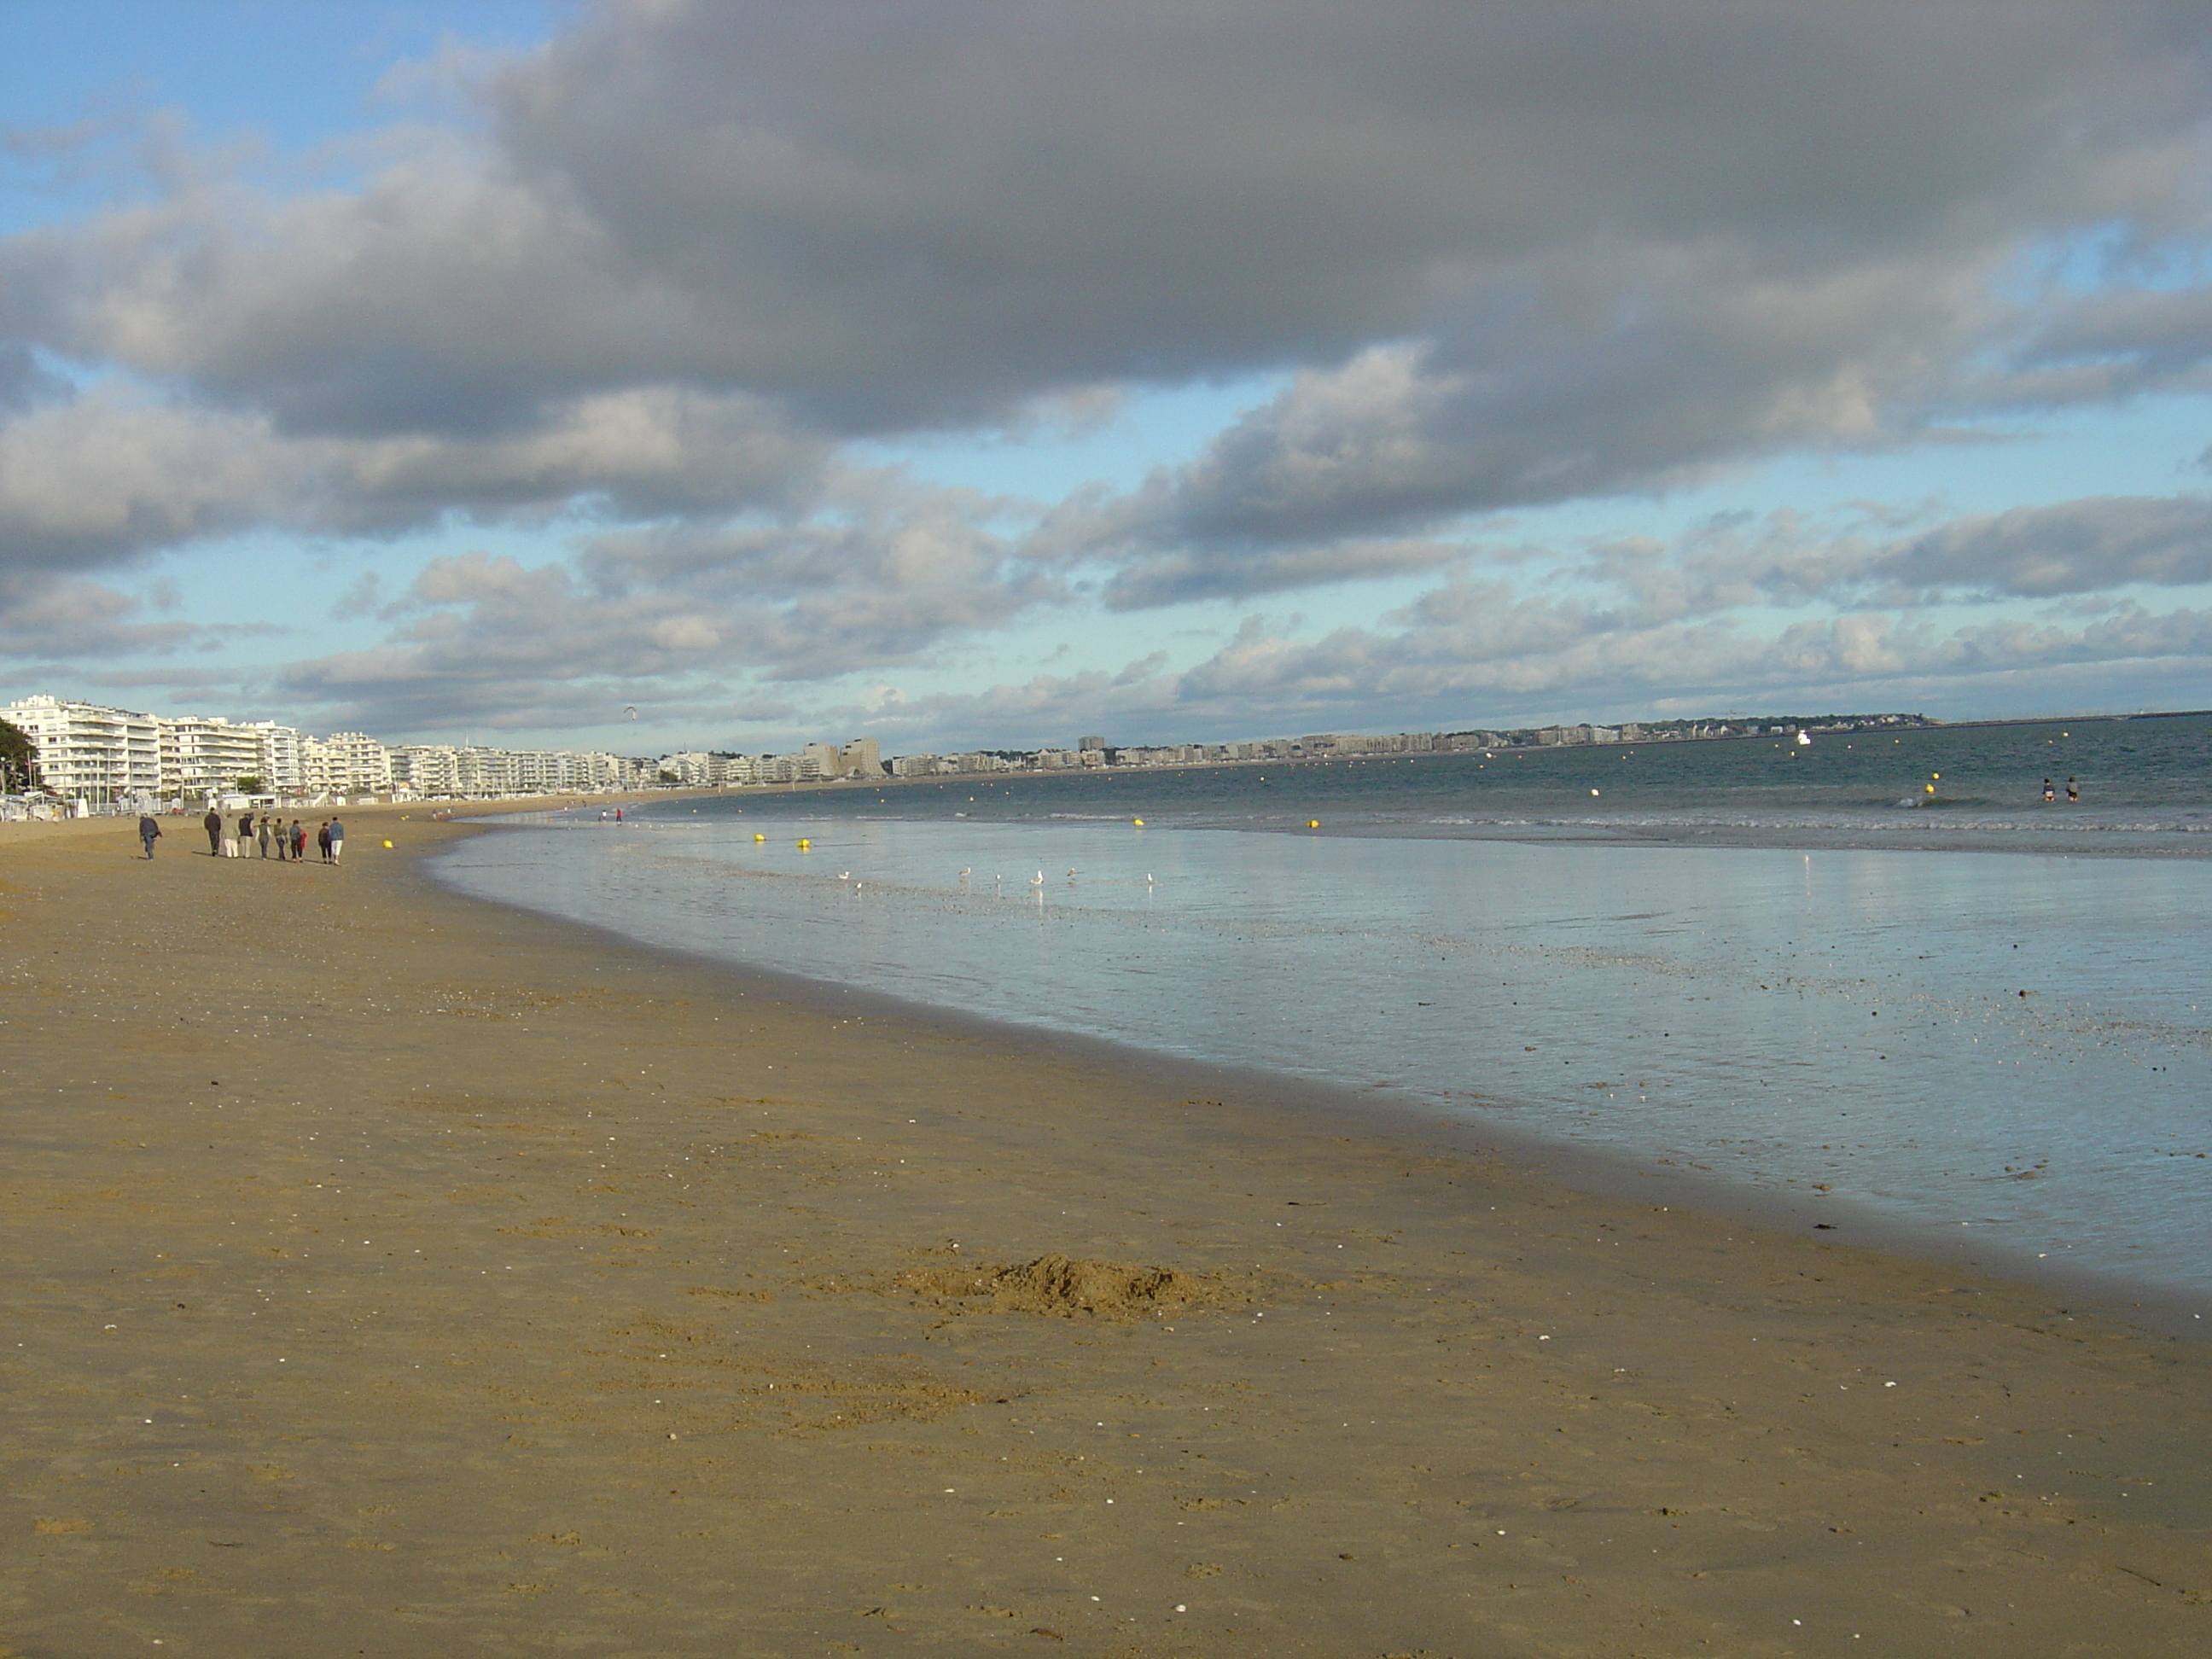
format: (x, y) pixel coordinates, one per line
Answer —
(1037, 880)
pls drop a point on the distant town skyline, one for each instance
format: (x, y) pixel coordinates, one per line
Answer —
(949, 373)
(115, 757)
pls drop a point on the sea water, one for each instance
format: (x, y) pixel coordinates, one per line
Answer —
(1842, 1023)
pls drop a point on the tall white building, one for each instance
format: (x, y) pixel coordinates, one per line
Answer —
(427, 768)
(358, 763)
(206, 755)
(694, 769)
(86, 749)
(279, 770)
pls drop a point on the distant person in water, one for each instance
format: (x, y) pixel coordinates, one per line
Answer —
(2073, 794)
(2048, 793)
(149, 832)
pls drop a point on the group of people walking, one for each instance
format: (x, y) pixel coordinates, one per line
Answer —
(267, 832)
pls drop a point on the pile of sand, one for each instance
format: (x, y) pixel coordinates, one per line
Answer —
(1067, 1287)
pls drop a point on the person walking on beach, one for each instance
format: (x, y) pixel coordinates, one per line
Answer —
(322, 841)
(337, 840)
(299, 840)
(149, 832)
(261, 834)
(213, 825)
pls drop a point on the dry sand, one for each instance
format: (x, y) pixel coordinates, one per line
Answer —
(389, 1274)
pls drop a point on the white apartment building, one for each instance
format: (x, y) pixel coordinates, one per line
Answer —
(357, 763)
(427, 768)
(438, 769)
(344, 764)
(205, 754)
(86, 749)
(279, 768)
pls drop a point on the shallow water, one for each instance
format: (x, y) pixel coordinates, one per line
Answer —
(1846, 1022)
(2145, 789)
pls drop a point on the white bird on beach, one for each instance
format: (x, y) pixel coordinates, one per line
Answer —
(964, 872)
(844, 875)
(1037, 880)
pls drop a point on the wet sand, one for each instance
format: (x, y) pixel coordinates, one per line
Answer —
(389, 1274)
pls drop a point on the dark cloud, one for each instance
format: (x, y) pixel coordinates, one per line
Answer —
(2087, 546)
(891, 215)
(110, 475)
(47, 618)
(1492, 257)
(2093, 546)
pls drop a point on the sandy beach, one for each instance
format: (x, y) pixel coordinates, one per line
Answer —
(389, 1274)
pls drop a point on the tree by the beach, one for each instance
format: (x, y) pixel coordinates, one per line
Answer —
(19, 758)
(251, 785)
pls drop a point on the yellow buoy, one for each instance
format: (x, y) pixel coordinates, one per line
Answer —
(1313, 824)
(387, 843)
(1139, 823)
(757, 835)
(805, 844)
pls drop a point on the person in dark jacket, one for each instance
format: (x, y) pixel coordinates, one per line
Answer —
(213, 825)
(322, 841)
(261, 834)
(299, 840)
(149, 832)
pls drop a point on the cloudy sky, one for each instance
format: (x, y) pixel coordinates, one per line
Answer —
(995, 372)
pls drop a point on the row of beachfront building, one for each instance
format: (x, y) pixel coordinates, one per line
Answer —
(85, 751)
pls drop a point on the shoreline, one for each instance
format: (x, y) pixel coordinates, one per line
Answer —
(388, 1259)
(1590, 1170)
